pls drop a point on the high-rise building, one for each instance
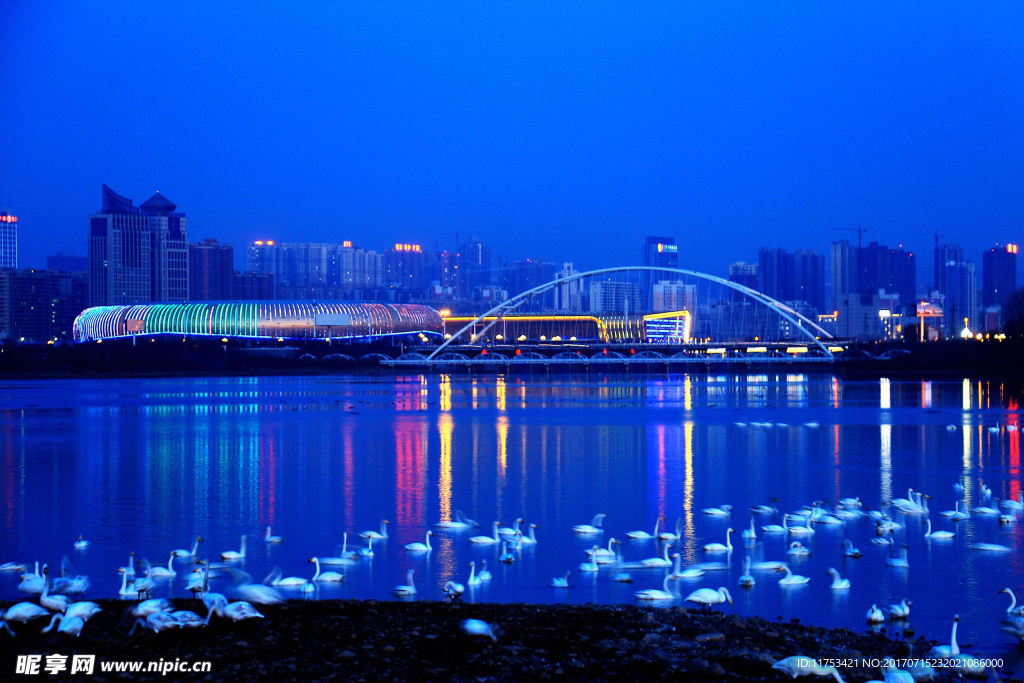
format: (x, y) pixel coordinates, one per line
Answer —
(521, 276)
(569, 295)
(674, 295)
(249, 286)
(316, 269)
(960, 298)
(474, 259)
(8, 239)
(211, 271)
(891, 270)
(844, 272)
(797, 276)
(998, 274)
(613, 297)
(41, 305)
(405, 268)
(743, 273)
(71, 263)
(659, 252)
(137, 254)
(944, 253)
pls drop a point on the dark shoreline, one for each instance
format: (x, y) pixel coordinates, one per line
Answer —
(367, 640)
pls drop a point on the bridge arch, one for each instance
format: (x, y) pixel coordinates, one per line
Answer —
(799, 321)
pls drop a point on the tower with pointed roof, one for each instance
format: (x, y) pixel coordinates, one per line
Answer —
(137, 254)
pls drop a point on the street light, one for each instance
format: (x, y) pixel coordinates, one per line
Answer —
(444, 321)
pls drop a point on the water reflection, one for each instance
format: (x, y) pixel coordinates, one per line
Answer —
(146, 464)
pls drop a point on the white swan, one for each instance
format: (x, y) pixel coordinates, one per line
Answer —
(838, 582)
(643, 535)
(473, 580)
(453, 589)
(561, 581)
(706, 597)
(777, 528)
(143, 585)
(747, 579)
(127, 588)
(718, 547)
(81, 544)
(956, 514)
(232, 555)
(54, 603)
(275, 579)
(378, 536)
(407, 590)
(460, 523)
(531, 539)
(901, 561)
(991, 547)
(23, 612)
(591, 565)
(796, 549)
(594, 527)
(507, 532)
(804, 530)
(181, 552)
(420, 547)
(940, 651)
(689, 573)
(33, 583)
(268, 538)
(720, 511)
(659, 561)
(506, 556)
(805, 666)
(769, 566)
(901, 610)
(1013, 505)
(260, 594)
(346, 557)
(477, 627)
(606, 555)
(368, 550)
(1013, 609)
(325, 577)
(239, 611)
(938, 535)
(485, 573)
(750, 533)
(83, 609)
(164, 572)
(669, 536)
(849, 550)
(791, 579)
(655, 594)
(488, 540)
(875, 615)
(71, 626)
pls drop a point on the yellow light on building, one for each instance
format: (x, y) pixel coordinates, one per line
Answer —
(556, 338)
(498, 337)
(522, 337)
(836, 349)
(796, 349)
(721, 351)
(543, 338)
(757, 349)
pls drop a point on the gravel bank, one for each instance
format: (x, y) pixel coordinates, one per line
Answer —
(355, 640)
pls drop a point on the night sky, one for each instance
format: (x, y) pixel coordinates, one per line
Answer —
(564, 130)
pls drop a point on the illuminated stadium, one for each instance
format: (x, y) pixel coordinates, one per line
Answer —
(274, 319)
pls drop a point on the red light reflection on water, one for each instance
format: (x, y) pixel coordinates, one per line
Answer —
(409, 475)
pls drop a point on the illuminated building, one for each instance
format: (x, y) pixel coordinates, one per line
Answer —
(844, 271)
(137, 253)
(40, 305)
(960, 297)
(569, 295)
(405, 268)
(659, 252)
(278, 319)
(210, 271)
(609, 296)
(667, 327)
(998, 274)
(945, 253)
(474, 267)
(8, 239)
(316, 270)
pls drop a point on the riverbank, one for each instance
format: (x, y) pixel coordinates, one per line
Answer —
(356, 640)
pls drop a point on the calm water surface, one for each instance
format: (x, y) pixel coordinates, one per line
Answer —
(144, 465)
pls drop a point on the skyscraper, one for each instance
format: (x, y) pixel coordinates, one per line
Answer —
(743, 273)
(137, 254)
(998, 274)
(844, 273)
(474, 266)
(569, 295)
(210, 271)
(659, 252)
(944, 253)
(40, 305)
(890, 270)
(404, 268)
(8, 239)
(960, 298)
(797, 276)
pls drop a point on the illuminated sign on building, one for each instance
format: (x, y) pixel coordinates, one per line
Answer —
(407, 247)
(1010, 248)
(14, 219)
(347, 244)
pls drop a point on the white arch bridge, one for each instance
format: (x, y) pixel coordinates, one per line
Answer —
(804, 341)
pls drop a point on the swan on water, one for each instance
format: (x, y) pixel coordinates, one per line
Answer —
(689, 573)
(276, 579)
(623, 577)
(940, 651)
(805, 666)
(655, 594)
(769, 566)
(719, 547)
(985, 510)
(643, 535)
(606, 555)
(474, 579)
(746, 579)
(750, 534)
(901, 561)
(454, 590)
(669, 536)
(407, 590)
(420, 547)
(991, 547)
(1013, 505)
(368, 550)
(776, 528)
(659, 561)
(163, 572)
(507, 532)
(797, 549)
(461, 523)
(561, 581)
(232, 555)
(875, 615)
(181, 552)
(838, 582)
(720, 511)
(325, 577)
(375, 535)
(707, 597)
(591, 565)
(506, 556)
(594, 527)
(901, 610)
(804, 530)
(956, 514)
(33, 583)
(1013, 609)
(531, 539)
(938, 535)
(791, 579)
(849, 550)
(485, 573)
(268, 538)
(81, 544)
(488, 540)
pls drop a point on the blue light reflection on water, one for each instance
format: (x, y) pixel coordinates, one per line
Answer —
(144, 465)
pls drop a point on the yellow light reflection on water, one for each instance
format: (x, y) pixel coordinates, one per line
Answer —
(966, 394)
(501, 392)
(446, 392)
(886, 393)
(687, 393)
(444, 481)
(502, 426)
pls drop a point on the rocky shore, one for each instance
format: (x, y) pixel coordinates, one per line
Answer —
(423, 641)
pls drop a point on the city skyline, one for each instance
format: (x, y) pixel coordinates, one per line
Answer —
(720, 132)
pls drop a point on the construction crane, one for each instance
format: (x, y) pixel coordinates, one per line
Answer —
(859, 230)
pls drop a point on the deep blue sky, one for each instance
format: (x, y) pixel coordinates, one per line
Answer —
(563, 130)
